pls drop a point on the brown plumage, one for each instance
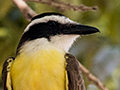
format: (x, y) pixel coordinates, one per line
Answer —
(76, 81)
(6, 74)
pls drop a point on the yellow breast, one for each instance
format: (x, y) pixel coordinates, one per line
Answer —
(43, 70)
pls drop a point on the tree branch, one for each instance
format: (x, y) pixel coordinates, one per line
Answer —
(25, 9)
(29, 13)
(64, 6)
(92, 78)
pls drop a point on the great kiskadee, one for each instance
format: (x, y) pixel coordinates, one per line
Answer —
(42, 60)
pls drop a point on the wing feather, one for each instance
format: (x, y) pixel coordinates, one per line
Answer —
(6, 74)
(75, 78)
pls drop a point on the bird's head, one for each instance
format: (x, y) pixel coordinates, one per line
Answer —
(52, 29)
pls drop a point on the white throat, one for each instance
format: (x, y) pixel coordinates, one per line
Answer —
(61, 42)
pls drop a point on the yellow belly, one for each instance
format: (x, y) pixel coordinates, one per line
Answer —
(44, 70)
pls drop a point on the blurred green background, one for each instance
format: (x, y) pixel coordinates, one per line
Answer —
(100, 53)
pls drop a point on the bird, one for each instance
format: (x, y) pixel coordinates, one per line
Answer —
(42, 60)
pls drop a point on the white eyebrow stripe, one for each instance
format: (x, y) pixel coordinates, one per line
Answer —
(60, 19)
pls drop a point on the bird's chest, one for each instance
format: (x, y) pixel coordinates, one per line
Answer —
(44, 70)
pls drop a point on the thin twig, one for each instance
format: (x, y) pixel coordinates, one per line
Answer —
(92, 78)
(29, 13)
(64, 6)
(25, 9)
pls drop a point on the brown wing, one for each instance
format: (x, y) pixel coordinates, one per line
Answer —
(75, 79)
(6, 73)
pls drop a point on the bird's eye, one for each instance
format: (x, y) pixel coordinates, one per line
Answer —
(52, 23)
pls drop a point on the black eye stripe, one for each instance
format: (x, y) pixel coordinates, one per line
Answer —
(52, 23)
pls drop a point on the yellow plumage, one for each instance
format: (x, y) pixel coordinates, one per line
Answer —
(43, 70)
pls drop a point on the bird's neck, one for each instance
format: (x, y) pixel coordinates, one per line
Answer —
(39, 45)
(60, 43)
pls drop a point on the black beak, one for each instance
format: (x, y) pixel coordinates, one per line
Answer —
(80, 30)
